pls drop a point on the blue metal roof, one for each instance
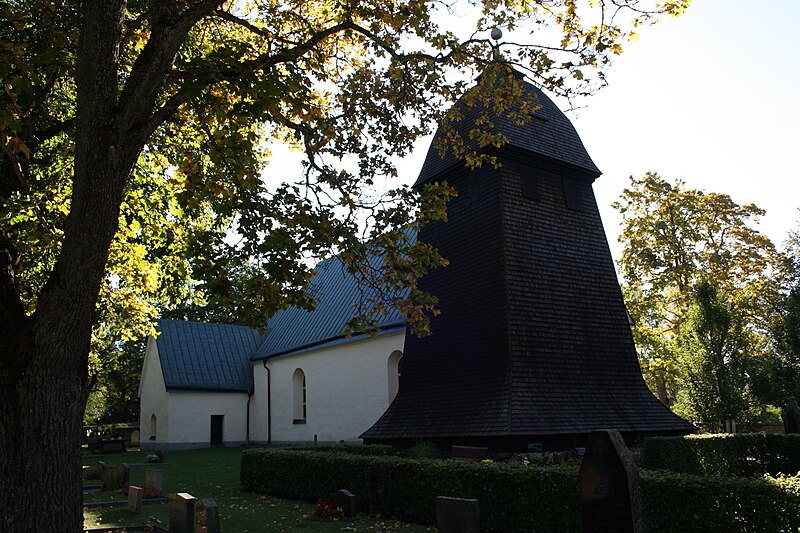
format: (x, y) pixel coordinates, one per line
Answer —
(204, 356)
(337, 293)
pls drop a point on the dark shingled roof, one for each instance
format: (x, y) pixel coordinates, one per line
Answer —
(533, 342)
(548, 134)
(204, 356)
(336, 291)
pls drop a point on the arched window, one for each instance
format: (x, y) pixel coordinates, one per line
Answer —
(394, 373)
(153, 426)
(299, 396)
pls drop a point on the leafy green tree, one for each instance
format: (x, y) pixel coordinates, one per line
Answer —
(134, 136)
(673, 237)
(712, 353)
(778, 378)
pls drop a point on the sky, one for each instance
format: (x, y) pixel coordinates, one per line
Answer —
(711, 97)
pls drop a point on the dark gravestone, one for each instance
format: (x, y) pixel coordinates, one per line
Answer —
(791, 418)
(123, 473)
(457, 515)
(135, 497)
(207, 517)
(610, 494)
(344, 500)
(181, 513)
(101, 470)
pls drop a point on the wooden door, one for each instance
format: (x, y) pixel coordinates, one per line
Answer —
(216, 430)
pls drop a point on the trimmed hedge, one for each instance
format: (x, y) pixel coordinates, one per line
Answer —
(517, 497)
(512, 498)
(677, 503)
(350, 449)
(740, 454)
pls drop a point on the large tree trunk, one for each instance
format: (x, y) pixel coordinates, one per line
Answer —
(43, 361)
(41, 414)
(44, 357)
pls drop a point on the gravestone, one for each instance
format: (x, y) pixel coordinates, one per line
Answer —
(135, 496)
(123, 473)
(457, 515)
(135, 437)
(791, 418)
(610, 491)
(345, 500)
(154, 479)
(207, 517)
(101, 469)
(181, 513)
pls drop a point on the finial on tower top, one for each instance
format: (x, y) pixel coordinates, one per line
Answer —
(496, 34)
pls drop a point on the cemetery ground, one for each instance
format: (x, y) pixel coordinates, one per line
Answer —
(214, 473)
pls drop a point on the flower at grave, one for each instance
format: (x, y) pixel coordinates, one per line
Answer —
(487, 462)
(151, 491)
(327, 510)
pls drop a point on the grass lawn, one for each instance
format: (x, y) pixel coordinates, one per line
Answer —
(214, 473)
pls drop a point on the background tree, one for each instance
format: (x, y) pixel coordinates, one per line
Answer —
(711, 357)
(778, 378)
(134, 134)
(673, 237)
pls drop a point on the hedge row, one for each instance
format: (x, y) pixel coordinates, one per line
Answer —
(674, 503)
(350, 449)
(519, 498)
(511, 498)
(741, 454)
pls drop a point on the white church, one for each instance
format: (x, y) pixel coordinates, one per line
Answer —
(304, 381)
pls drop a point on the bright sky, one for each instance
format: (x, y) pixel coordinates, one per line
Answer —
(712, 97)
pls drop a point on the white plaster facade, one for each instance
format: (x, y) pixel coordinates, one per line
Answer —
(348, 386)
(347, 390)
(183, 418)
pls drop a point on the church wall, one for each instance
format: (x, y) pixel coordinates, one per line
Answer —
(153, 400)
(190, 418)
(347, 390)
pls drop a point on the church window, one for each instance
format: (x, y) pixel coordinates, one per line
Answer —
(153, 426)
(299, 396)
(395, 368)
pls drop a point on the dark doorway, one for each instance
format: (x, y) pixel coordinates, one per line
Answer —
(216, 430)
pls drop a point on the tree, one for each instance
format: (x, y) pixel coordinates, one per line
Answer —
(778, 378)
(672, 238)
(134, 135)
(712, 348)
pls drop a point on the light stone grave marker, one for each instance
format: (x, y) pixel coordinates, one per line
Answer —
(154, 479)
(135, 497)
(181, 513)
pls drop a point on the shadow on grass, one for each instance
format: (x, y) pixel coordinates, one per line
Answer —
(214, 473)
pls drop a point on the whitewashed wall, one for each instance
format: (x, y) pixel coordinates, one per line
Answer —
(347, 390)
(190, 418)
(153, 399)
